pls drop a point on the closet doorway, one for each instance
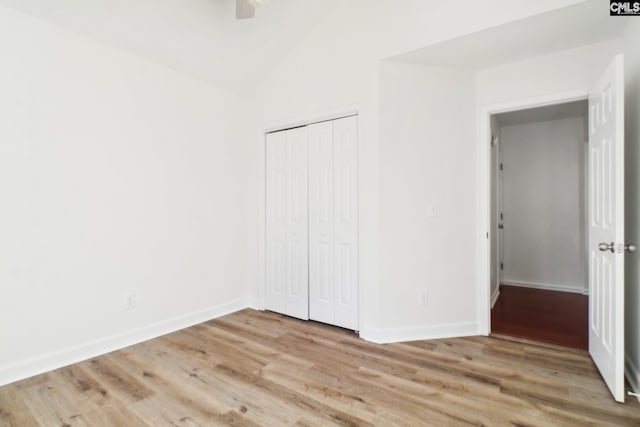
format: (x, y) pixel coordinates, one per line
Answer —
(539, 214)
(312, 222)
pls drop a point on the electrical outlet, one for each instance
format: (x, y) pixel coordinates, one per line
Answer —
(130, 302)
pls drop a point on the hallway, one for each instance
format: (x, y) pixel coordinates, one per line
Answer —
(549, 316)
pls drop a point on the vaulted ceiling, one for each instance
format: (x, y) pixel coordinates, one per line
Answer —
(198, 37)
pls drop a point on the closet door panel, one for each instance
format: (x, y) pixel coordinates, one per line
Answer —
(345, 224)
(287, 288)
(321, 281)
(297, 225)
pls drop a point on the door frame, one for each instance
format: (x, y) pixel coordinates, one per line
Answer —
(258, 301)
(483, 179)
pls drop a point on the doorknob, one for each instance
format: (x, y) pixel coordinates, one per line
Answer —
(630, 247)
(604, 247)
(500, 226)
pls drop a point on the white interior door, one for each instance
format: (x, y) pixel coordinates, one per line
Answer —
(333, 226)
(287, 266)
(606, 227)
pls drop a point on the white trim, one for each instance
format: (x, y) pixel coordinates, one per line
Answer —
(262, 218)
(633, 375)
(536, 102)
(546, 286)
(483, 156)
(494, 297)
(58, 359)
(450, 330)
(303, 120)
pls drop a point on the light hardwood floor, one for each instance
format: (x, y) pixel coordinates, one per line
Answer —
(259, 368)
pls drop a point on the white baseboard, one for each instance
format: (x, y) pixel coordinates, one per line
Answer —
(256, 304)
(494, 296)
(451, 330)
(78, 353)
(633, 375)
(545, 286)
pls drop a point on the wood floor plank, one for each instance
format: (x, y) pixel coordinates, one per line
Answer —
(50, 406)
(13, 410)
(238, 399)
(371, 402)
(551, 316)
(114, 415)
(254, 368)
(118, 380)
(316, 408)
(189, 404)
(283, 375)
(441, 400)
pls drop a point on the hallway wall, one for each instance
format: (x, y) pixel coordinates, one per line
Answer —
(544, 204)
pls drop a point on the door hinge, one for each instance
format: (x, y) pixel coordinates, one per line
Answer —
(501, 167)
(501, 215)
(501, 266)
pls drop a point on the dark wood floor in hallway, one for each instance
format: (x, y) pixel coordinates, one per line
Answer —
(549, 316)
(259, 368)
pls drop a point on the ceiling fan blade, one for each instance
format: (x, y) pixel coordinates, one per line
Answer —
(245, 9)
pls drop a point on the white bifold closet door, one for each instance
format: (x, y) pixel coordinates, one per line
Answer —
(287, 223)
(333, 227)
(311, 224)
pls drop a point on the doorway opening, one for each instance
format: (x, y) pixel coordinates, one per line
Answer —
(538, 198)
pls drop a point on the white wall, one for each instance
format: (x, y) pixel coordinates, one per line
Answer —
(566, 71)
(427, 219)
(117, 176)
(632, 201)
(544, 204)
